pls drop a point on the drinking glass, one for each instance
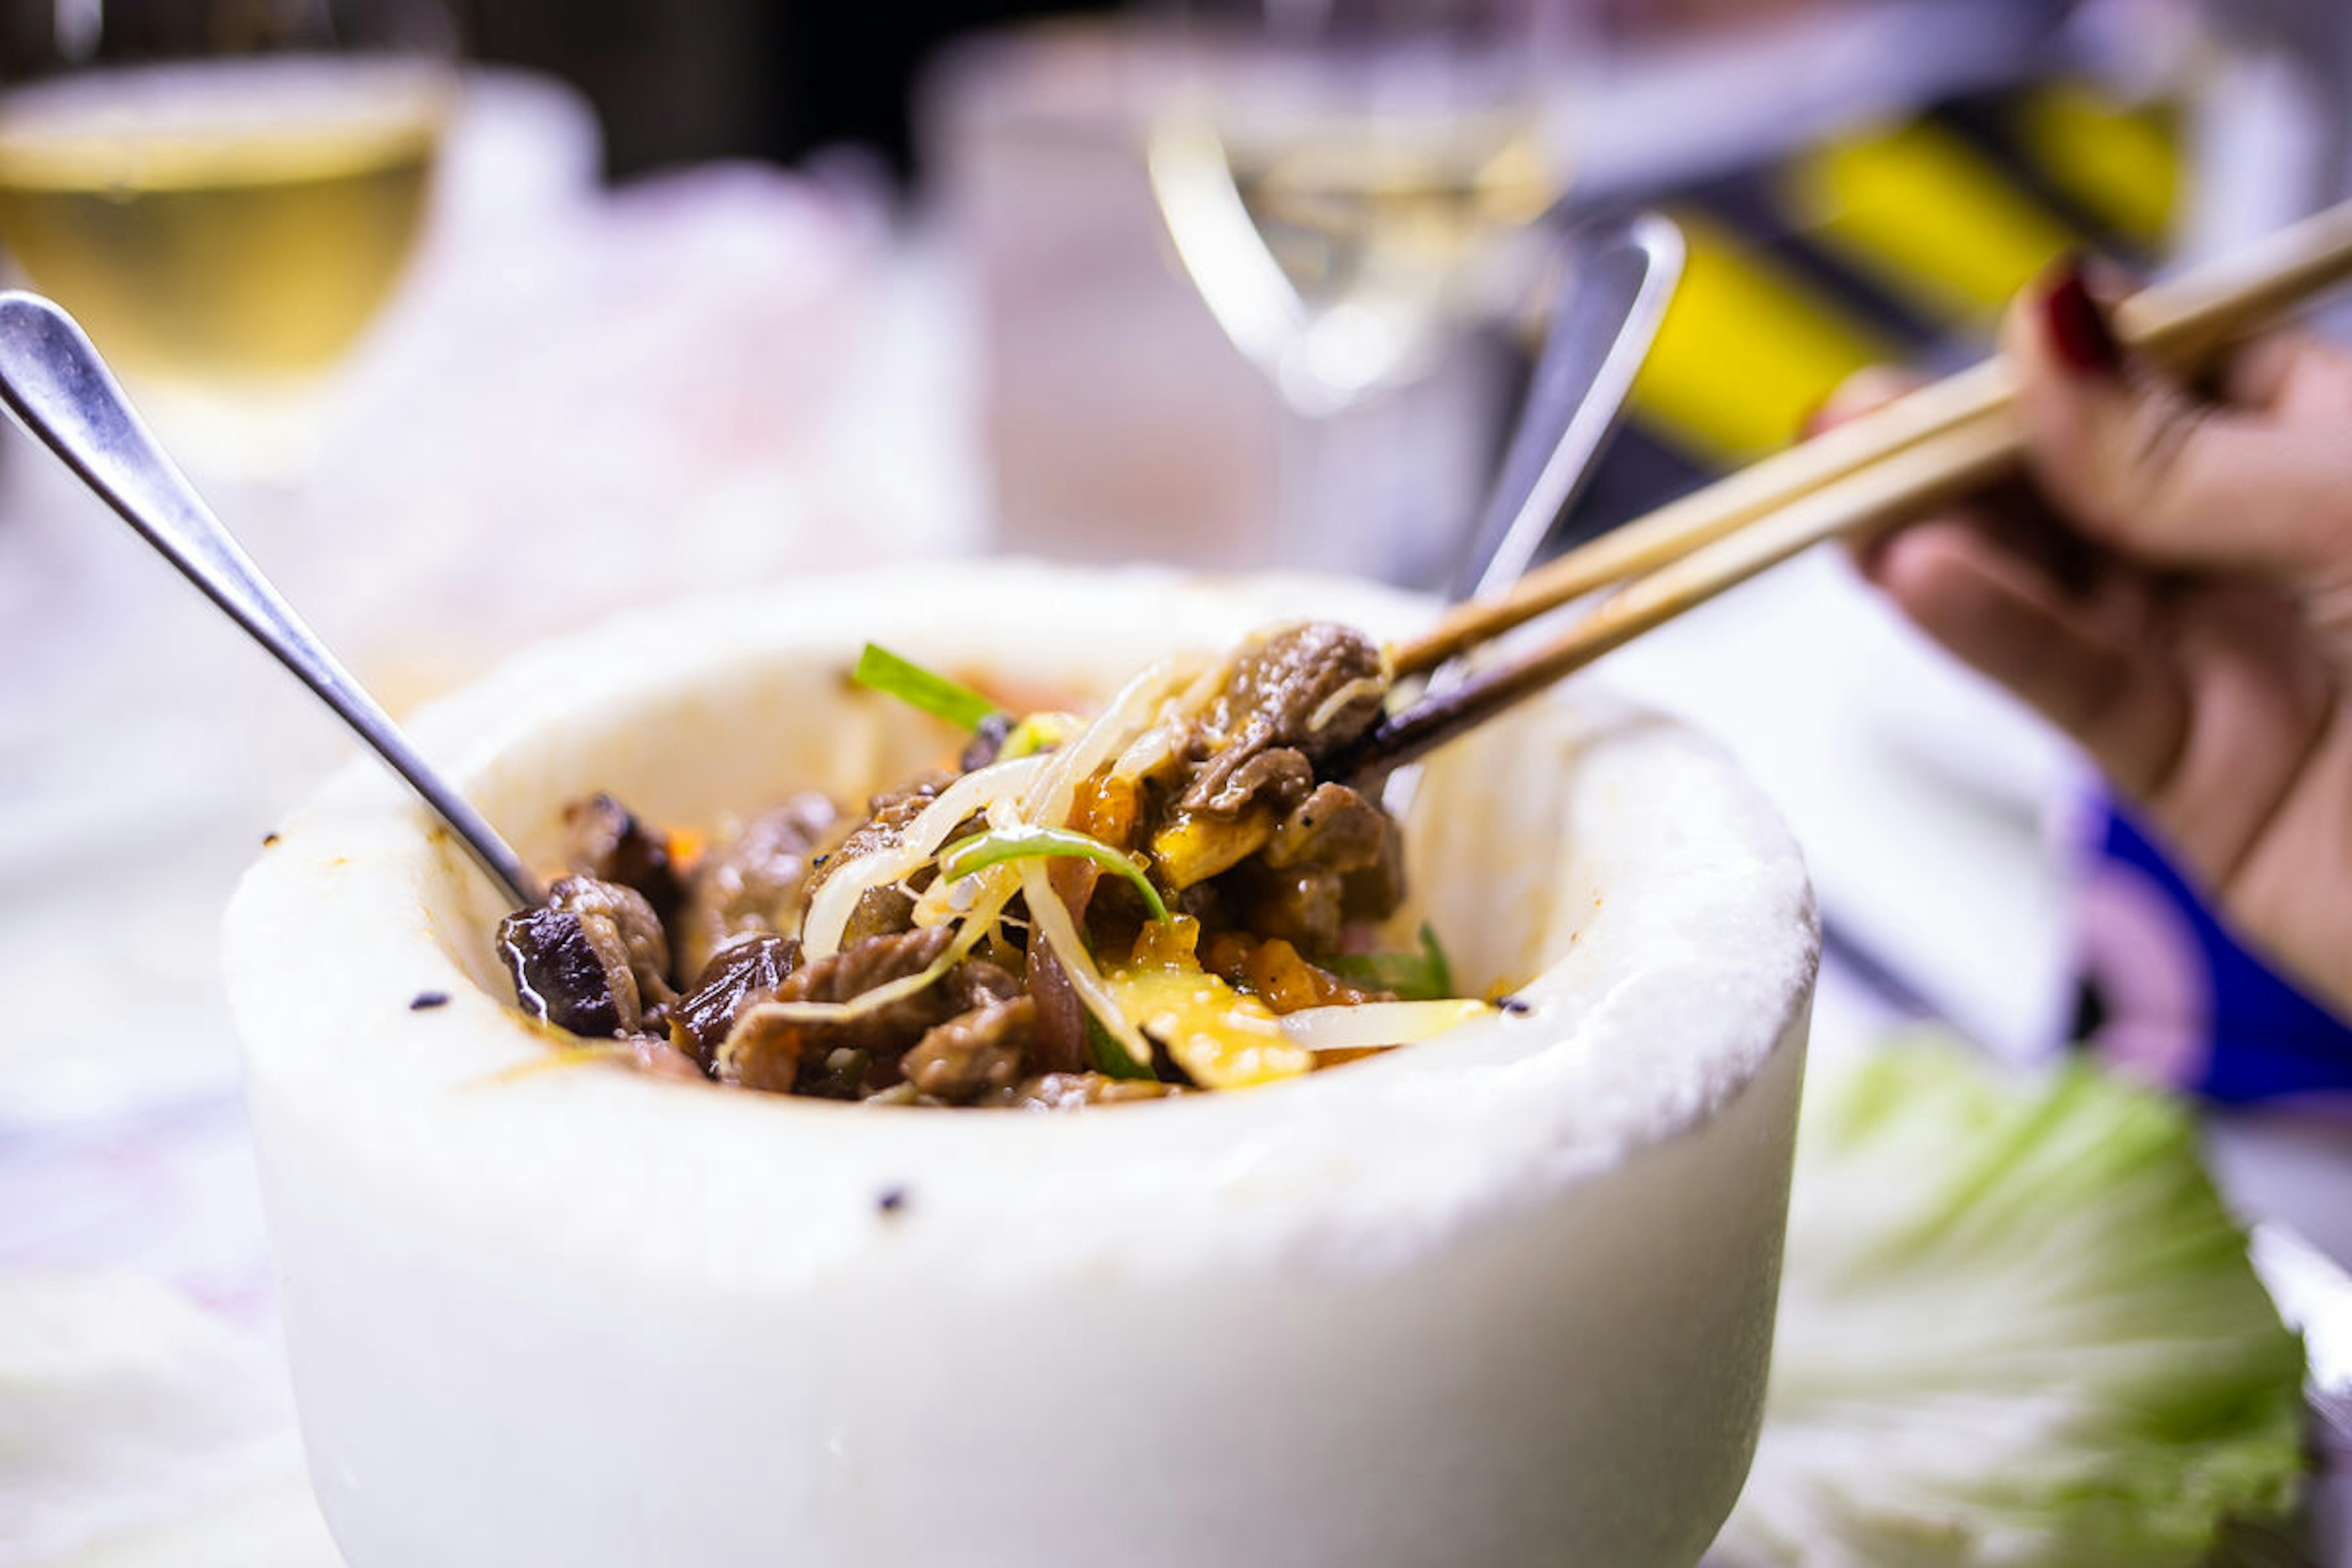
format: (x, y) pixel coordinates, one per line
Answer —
(225, 192)
(1351, 186)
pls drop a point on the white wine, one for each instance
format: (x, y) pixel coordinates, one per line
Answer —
(1353, 246)
(221, 220)
(1368, 219)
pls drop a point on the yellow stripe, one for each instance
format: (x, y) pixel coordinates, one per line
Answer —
(1928, 216)
(2121, 163)
(1745, 352)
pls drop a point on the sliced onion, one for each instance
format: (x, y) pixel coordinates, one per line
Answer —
(1337, 703)
(1055, 929)
(1161, 739)
(837, 899)
(1047, 799)
(982, 896)
(1365, 1025)
(1150, 749)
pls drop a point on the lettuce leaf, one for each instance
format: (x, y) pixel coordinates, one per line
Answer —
(2017, 1327)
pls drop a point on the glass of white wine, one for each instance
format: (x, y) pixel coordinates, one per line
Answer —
(1349, 185)
(225, 192)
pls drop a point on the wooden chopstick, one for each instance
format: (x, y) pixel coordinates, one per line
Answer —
(1923, 450)
(2183, 322)
(1914, 479)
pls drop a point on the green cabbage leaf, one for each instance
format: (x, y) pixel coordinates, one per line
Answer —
(2017, 1327)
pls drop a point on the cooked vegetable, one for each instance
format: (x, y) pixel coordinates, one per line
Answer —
(1368, 1025)
(2017, 1327)
(1039, 732)
(934, 694)
(998, 844)
(1423, 976)
(1221, 1038)
(836, 899)
(1110, 1057)
(931, 952)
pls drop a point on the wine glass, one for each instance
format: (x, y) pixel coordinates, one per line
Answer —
(1351, 186)
(225, 192)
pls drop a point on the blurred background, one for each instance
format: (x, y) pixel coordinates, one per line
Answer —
(481, 320)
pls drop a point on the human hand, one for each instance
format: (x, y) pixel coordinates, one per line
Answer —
(2172, 587)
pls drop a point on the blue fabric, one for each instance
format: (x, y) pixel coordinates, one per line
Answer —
(2266, 1038)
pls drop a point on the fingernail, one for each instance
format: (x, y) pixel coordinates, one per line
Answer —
(2079, 333)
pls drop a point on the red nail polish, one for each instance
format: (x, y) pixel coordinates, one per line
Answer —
(2078, 328)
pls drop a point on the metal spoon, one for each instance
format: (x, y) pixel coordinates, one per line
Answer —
(1621, 273)
(53, 381)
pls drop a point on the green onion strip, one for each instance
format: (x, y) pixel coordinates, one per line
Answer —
(998, 844)
(1423, 977)
(934, 694)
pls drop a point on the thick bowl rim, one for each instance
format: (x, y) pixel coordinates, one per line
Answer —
(358, 878)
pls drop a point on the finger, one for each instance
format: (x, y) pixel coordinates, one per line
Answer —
(2201, 702)
(2305, 919)
(1870, 387)
(2078, 657)
(2288, 374)
(2259, 701)
(2256, 375)
(2161, 476)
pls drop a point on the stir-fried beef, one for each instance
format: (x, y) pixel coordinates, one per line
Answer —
(976, 983)
(559, 975)
(1315, 687)
(739, 975)
(751, 883)
(1298, 888)
(986, 742)
(1224, 811)
(880, 912)
(1373, 892)
(1296, 697)
(893, 809)
(769, 1051)
(973, 1053)
(1329, 859)
(626, 933)
(887, 814)
(603, 839)
(886, 911)
(1299, 906)
(591, 960)
(1236, 778)
(1334, 827)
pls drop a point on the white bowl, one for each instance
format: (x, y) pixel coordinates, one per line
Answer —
(1499, 1300)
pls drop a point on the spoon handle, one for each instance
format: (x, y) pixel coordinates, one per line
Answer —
(54, 382)
(1622, 274)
